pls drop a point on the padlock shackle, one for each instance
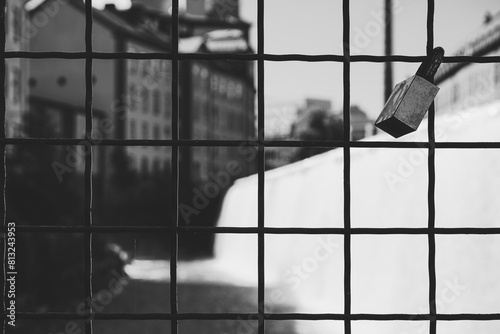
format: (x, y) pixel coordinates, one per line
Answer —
(429, 67)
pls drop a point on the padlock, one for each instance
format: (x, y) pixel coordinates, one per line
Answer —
(410, 99)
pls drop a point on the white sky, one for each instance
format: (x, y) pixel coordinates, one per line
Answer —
(120, 4)
(315, 27)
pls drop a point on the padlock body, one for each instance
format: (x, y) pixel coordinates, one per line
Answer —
(407, 106)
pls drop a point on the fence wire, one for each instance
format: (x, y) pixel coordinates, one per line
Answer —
(88, 229)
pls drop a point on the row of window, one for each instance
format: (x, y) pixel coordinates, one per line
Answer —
(144, 99)
(14, 89)
(218, 85)
(148, 129)
(14, 19)
(230, 118)
(150, 165)
(151, 69)
(477, 85)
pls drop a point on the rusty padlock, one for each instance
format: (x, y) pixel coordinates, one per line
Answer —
(411, 99)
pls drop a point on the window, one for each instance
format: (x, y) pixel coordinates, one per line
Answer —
(145, 99)
(133, 129)
(133, 97)
(168, 105)
(156, 102)
(166, 131)
(16, 85)
(16, 34)
(7, 22)
(155, 66)
(146, 69)
(134, 66)
(157, 132)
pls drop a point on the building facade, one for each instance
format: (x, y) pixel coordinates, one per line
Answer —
(132, 95)
(220, 97)
(467, 85)
(216, 98)
(16, 69)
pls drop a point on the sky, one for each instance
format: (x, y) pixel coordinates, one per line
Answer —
(315, 27)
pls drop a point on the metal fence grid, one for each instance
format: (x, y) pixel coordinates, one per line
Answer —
(175, 143)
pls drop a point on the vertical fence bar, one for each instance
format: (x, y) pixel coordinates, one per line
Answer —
(261, 165)
(388, 50)
(88, 161)
(432, 184)
(3, 168)
(174, 237)
(347, 164)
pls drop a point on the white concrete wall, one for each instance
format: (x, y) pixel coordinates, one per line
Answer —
(389, 189)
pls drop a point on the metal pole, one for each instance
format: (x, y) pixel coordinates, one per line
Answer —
(388, 49)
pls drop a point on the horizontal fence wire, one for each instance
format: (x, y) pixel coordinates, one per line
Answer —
(265, 230)
(246, 143)
(246, 57)
(267, 316)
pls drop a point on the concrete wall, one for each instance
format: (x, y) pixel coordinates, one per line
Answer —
(388, 189)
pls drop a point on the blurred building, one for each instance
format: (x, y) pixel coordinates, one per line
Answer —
(464, 85)
(281, 120)
(134, 95)
(156, 5)
(216, 97)
(222, 10)
(131, 98)
(317, 103)
(313, 119)
(278, 121)
(220, 95)
(16, 69)
(361, 125)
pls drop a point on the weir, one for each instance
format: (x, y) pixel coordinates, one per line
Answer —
(389, 188)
